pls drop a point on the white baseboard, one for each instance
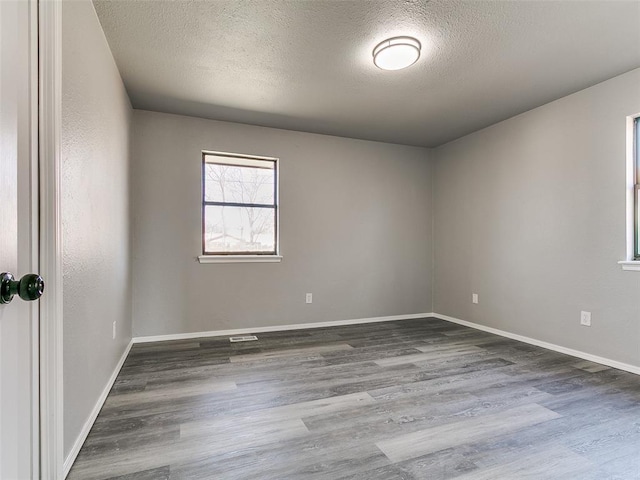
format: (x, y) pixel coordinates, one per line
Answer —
(276, 328)
(539, 343)
(68, 463)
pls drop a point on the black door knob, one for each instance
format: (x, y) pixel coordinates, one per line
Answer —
(29, 287)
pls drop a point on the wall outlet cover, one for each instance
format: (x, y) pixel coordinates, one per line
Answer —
(585, 318)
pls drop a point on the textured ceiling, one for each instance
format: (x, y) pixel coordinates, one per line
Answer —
(306, 64)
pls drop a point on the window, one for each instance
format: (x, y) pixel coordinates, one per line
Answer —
(632, 261)
(239, 205)
(636, 188)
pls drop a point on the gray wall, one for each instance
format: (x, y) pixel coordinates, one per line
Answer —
(96, 117)
(530, 214)
(355, 224)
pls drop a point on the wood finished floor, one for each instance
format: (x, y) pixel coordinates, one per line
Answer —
(414, 399)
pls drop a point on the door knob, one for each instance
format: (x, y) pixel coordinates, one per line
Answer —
(29, 287)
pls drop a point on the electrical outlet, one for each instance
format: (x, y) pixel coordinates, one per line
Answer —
(113, 333)
(474, 297)
(309, 298)
(585, 319)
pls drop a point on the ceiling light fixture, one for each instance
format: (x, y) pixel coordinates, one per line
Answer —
(396, 53)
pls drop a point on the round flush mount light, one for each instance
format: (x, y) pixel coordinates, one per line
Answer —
(396, 53)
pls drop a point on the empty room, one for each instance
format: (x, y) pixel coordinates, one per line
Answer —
(320, 239)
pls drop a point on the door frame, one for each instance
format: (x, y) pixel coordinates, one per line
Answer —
(48, 25)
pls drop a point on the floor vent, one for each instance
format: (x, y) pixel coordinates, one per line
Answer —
(243, 338)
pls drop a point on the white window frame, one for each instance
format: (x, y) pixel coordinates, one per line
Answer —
(244, 257)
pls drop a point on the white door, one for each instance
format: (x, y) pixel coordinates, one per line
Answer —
(18, 236)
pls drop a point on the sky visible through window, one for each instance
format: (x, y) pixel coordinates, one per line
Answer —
(243, 218)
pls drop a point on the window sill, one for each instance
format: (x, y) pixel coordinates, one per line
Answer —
(632, 265)
(240, 258)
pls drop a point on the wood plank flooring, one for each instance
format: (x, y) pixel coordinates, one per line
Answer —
(413, 399)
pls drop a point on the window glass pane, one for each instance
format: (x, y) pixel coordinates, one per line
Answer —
(227, 183)
(637, 222)
(636, 125)
(637, 148)
(239, 229)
